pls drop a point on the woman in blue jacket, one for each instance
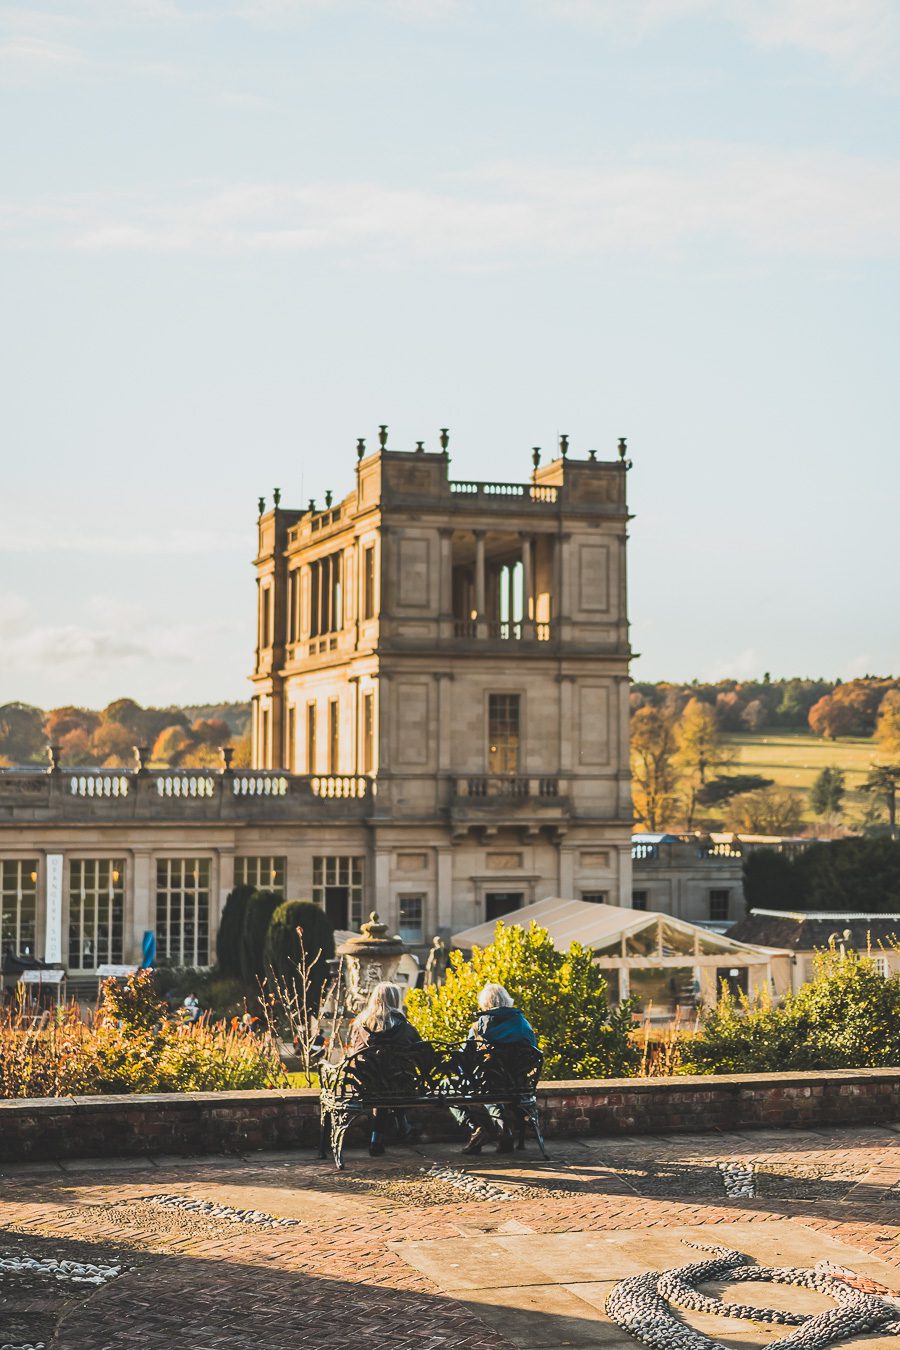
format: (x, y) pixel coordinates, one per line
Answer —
(498, 1022)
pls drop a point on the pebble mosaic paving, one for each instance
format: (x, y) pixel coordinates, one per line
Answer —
(425, 1248)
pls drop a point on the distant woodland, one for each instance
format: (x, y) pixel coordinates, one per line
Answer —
(757, 756)
(189, 737)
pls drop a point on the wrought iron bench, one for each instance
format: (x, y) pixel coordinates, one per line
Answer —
(429, 1074)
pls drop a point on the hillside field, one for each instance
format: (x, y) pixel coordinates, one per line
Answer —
(793, 759)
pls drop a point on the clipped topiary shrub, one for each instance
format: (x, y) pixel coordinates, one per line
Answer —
(257, 917)
(282, 946)
(231, 931)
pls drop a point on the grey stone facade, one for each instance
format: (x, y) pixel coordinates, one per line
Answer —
(440, 728)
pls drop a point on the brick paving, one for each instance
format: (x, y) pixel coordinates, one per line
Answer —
(343, 1274)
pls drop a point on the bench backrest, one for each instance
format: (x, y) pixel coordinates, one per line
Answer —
(434, 1070)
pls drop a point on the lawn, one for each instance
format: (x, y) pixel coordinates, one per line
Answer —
(793, 759)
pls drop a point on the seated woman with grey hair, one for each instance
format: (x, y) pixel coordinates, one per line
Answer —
(382, 1025)
(499, 1022)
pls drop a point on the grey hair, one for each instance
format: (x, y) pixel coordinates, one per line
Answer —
(384, 1002)
(494, 996)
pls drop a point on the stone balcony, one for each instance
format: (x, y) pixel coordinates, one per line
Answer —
(493, 799)
(114, 795)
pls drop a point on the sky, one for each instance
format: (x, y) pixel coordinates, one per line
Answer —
(235, 235)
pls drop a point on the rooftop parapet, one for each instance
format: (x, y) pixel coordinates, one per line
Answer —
(422, 479)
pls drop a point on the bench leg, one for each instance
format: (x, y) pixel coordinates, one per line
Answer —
(340, 1124)
(520, 1141)
(324, 1133)
(535, 1122)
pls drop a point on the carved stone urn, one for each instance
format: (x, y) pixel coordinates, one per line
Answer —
(369, 957)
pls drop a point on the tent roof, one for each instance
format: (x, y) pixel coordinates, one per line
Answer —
(595, 926)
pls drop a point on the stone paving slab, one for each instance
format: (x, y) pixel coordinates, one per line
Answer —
(578, 1269)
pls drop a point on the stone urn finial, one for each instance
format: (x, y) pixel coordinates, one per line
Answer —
(382, 435)
(374, 928)
(360, 447)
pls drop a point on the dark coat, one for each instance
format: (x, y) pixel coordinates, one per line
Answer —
(398, 1035)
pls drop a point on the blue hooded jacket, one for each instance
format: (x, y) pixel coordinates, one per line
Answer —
(501, 1026)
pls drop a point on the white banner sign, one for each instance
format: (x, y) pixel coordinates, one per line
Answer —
(41, 976)
(117, 971)
(53, 929)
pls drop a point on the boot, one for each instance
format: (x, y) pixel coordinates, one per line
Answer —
(507, 1142)
(376, 1144)
(477, 1140)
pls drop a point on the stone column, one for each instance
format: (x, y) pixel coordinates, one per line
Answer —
(445, 722)
(226, 886)
(143, 903)
(445, 616)
(479, 584)
(527, 586)
(566, 716)
(445, 891)
(355, 756)
(566, 872)
(381, 898)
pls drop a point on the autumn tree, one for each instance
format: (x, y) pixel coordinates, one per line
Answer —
(75, 748)
(771, 811)
(887, 728)
(172, 746)
(113, 744)
(851, 709)
(213, 731)
(700, 751)
(60, 722)
(884, 781)
(654, 744)
(124, 712)
(22, 738)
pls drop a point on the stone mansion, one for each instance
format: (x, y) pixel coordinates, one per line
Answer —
(440, 728)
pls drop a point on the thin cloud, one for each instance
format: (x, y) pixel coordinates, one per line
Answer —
(760, 201)
(861, 36)
(178, 542)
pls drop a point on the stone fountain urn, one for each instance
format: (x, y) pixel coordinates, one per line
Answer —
(368, 957)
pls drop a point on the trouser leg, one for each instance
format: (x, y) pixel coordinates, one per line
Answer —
(463, 1117)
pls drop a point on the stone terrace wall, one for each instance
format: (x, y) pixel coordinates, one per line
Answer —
(232, 1122)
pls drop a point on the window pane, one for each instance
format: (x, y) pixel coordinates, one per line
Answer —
(411, 918)
(503, 733)
(96, 912)
(18, 904)
(718, 904)
(182, 911)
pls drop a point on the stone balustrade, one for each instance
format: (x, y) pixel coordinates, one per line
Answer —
(162, 794)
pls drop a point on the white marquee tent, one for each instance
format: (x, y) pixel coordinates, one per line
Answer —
(662, 961)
